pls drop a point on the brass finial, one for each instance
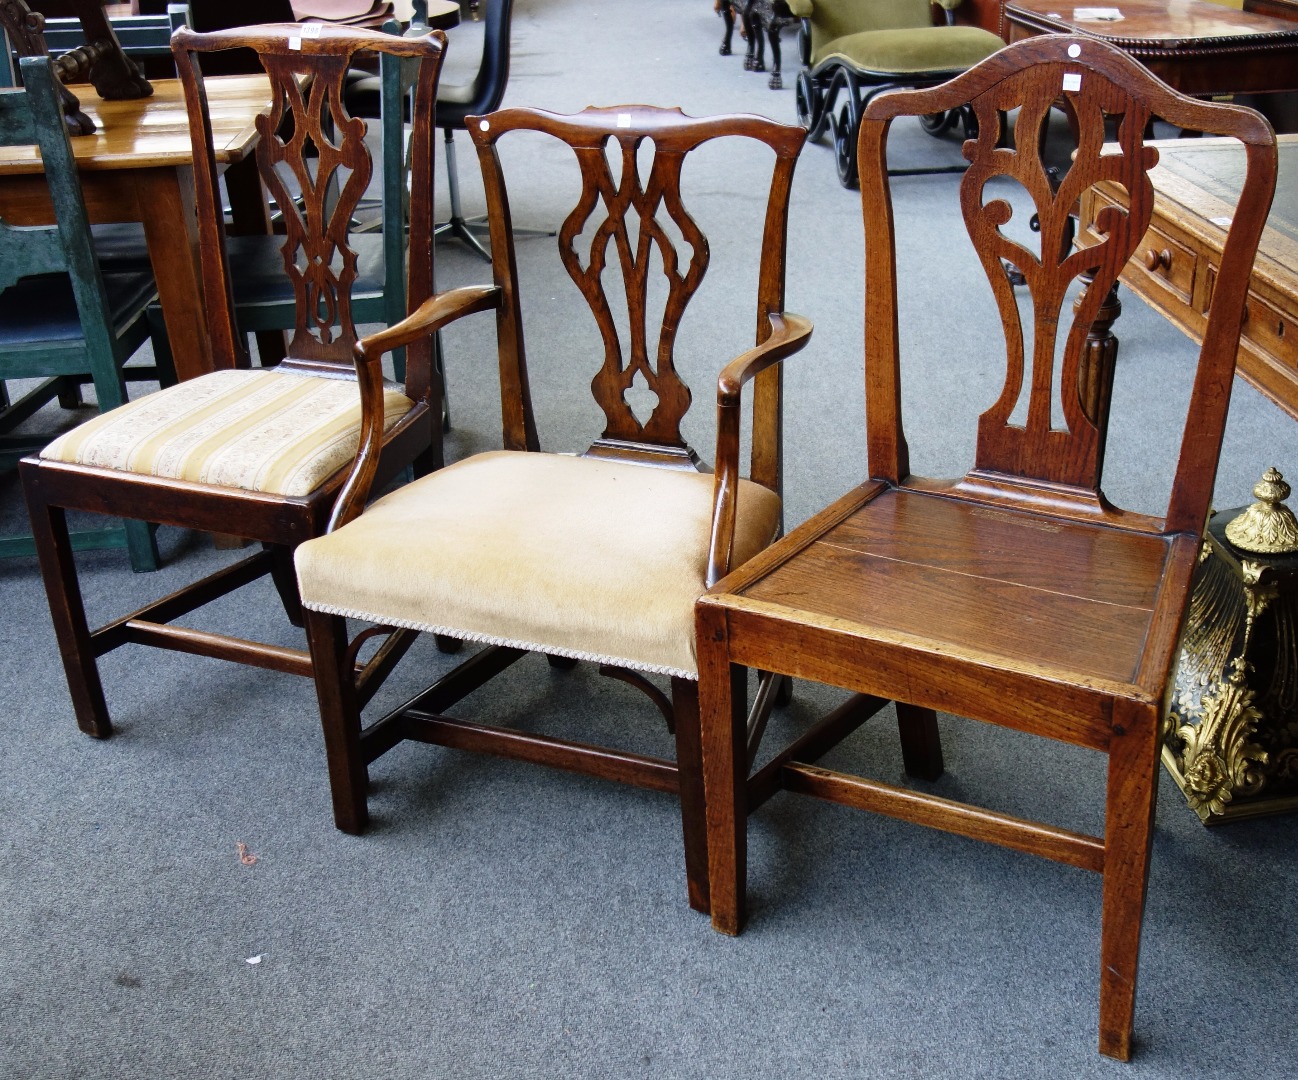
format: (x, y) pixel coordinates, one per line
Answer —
(1267, 527)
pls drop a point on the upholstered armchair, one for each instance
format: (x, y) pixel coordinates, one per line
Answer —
(858, 48)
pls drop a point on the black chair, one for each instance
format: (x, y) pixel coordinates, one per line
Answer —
(483, 94)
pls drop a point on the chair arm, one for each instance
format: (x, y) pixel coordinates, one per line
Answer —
(789, 333)
(801, 8)
(948, 5)
(425, 320)
(434, 313)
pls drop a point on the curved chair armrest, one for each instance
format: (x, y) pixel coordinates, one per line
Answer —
(434, 313)
(789, 333)
(948, 5)
(801, 8)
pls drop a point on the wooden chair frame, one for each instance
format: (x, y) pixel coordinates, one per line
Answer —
(323, 343)
(804, 610)
(353, 745)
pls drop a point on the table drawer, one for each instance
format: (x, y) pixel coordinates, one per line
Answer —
(1167, 261)
(1271, 332)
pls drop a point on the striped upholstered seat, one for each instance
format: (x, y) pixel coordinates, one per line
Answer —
(269, 431)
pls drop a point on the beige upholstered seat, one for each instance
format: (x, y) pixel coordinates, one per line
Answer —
(606, 566)
(281, 433)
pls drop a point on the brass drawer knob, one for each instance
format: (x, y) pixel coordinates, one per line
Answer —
(1158, 260)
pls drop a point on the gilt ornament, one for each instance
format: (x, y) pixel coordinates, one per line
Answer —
(1268, 527)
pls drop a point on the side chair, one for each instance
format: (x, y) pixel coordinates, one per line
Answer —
(597, 557)
(258, 454)
(65, 319)
(264, 295)
(1017, 595)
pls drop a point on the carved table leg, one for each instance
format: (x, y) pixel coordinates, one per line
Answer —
(1095, 375)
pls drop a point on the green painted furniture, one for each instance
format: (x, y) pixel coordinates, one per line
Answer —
(139, 35)
(859, 48)
(63, 320)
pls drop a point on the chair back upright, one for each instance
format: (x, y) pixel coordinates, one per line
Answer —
(1022, 457)
(321, 154)
(628, 216)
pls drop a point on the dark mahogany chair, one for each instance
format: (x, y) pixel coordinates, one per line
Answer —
(597, 557)
(1017, 595)
(258, 454)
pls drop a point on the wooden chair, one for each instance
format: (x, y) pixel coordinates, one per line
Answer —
(859, 48)
(64, 319)
(1017, 595)
(598, 557)
(139, 35)
(257, 454)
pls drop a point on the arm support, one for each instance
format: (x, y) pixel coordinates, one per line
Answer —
(434, 313)
(789, 333)
(427, 319)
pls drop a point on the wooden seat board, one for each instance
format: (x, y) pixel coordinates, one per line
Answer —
(1089, 617)
(1087, 561)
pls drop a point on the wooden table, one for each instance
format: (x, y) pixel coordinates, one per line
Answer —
(1196, 46)
(1195, 184)
(138, 167)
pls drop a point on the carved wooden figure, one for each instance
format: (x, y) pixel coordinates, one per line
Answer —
(100, 61)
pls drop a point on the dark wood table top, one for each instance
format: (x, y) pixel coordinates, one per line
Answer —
(1162, 24)
(1196, 46)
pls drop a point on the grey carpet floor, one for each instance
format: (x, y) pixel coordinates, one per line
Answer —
(500, 920)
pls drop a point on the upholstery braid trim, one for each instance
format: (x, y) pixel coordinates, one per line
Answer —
(491, 639)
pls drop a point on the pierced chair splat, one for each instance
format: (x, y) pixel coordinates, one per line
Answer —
(258, 454)
(597, 557)
(1017, 595)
